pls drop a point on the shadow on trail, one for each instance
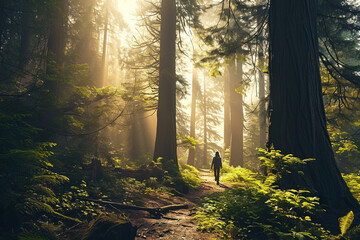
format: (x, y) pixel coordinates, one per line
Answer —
(223, 186)
(177, 224)
(208, 181)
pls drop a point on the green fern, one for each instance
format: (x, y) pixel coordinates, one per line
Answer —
(345, 222)
(31, 236)
(33, 206)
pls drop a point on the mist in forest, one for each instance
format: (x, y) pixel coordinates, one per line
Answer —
(204, 83)
(179, 119)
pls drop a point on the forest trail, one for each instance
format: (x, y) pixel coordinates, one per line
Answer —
(177, 224)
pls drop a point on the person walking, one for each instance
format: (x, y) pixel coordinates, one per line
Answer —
(216, 163)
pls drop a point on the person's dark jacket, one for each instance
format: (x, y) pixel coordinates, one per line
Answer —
(216, 162)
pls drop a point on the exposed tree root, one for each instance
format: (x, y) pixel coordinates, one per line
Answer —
(156, 211)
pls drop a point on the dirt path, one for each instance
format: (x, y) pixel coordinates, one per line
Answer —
(177, 224)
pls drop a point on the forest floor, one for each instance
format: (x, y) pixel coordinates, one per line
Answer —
(178, 224)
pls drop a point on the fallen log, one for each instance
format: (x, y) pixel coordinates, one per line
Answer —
(155, 211)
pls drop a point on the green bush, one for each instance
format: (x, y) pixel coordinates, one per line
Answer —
(261, 210)
(239, 174)
(73, 203)
(353, 182)
(275, 164)
(260, 213)
(27, 179)
(190, 175)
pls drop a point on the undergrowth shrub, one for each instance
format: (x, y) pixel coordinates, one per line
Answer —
(27, 179)
(261, 210)
(251, 213)
(353, 182)
(239, 174)
(277, 165)
(73, 203)
(190, 175)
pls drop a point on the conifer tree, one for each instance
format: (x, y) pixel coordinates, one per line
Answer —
(165, 143)
(297, 116)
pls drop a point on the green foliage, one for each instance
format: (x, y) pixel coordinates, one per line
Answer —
(41, 231)
(239, 174)
(27, 181)
(72, 203)
(135, 188)
(134, 163)
(342, 143)
(341, 101)
(190, 175)
(348, 232)
(189, 142)
(260, 212)
(352, 233)
(353, 182)
(31, 236)
(254, 213)
(127, 190)
(278, 165)
(345, 222)
(346, 147)
(257, 209)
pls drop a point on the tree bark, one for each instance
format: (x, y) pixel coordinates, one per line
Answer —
(227, 131)
(26, 21)
(205, 163)
(297, 115)
(262, 110)
(104, 47)
(165, 143)
(57, 41)
(237, 118)
(262, 88)
(57, 31)
(87, 44)
(191, 156)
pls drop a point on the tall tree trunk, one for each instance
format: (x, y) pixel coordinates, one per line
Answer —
(297, 115)
(237, 118)
(262, 110)
(87, 45)
(57, 40)
(227, 130)
(26, 21)
(262, 88)
(54, 65)
(104, 47)
(191, 157)
(239, 75)
(165, 143)
(205, 124)
(57, 33)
